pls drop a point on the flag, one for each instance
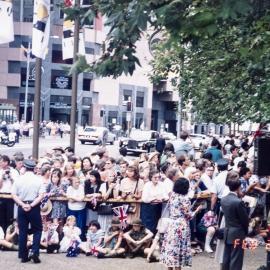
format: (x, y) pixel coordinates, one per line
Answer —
(6, 19)
(121, 212)
(41, 28)
(68, 36)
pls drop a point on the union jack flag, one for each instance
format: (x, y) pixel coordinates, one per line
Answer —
(94, 251)
(121, 212)
(44, 201)
(68, 3)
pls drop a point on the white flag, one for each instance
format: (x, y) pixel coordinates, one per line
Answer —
(6, 19)
(41, 28)
(68, 36)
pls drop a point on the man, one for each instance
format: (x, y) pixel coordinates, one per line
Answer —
(7, 177)
(182, 146)
(219, 188)
(27, 192)
(207, 177)
(236, 228)
(160, 144)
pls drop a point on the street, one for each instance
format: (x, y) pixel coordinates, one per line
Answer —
(25, 146)
(9, 260)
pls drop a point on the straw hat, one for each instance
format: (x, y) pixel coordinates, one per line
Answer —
(152, 155)
(46, 209)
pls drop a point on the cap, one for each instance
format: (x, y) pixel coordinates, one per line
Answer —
(59, 148)
(29, 164)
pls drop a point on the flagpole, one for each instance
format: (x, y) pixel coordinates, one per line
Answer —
(74, 80)
(27, 83)
(37, 108)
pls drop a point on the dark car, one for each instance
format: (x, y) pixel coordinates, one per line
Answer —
(139, 141)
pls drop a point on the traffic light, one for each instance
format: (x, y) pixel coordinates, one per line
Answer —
(102, 113)
(129, 106)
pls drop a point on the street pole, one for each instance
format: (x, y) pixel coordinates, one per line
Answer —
(179, 116)
(27, 83)
(37, 108)
(74, 81)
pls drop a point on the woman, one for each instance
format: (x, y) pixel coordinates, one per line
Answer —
(86, 165)
(92, 191)
(131, 188)
(176, 248)
(76, 204)
(68, 174)
(108, 190)
(154, 193)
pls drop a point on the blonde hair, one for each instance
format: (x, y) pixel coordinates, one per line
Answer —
(70, 218)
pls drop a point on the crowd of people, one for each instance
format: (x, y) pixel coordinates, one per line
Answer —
(163, 206)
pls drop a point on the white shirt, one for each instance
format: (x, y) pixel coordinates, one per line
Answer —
(168, 184)
(208, 182)
(7, 184)
(219, 187)
(54, 238)
(28, 187)
(2, 235)
(154, 192)
(72, 192)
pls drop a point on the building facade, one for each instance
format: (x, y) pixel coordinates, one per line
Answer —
(100, 101)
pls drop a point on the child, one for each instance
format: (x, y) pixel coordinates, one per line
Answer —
(138, 238)
(112, 242)
(55, 188)
(71, 234)
(49, 238)
(95, 238)
(6, 244)
(76, 205)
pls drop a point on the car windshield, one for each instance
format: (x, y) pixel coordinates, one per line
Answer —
(90, 129)
(140, 135)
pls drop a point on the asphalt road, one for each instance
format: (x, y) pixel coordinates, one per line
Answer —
(8, 260)
(25, 146)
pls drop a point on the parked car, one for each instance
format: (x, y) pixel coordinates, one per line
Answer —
(168, 136)
(199, 141)
(139, 141)
(96, 135)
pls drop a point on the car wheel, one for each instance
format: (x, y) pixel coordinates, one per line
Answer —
(123, 151)
(82, 142)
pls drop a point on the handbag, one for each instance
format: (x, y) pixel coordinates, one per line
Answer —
(105, 209)
(220, 233)
(132, 207)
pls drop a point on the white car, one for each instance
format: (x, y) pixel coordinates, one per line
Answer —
(168, 136)
(96, 135)
(199, 141)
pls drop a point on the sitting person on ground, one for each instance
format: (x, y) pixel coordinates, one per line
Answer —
(71, 234)
(113, 241)
(138, 238)
(12, 234)
(4, 244)
(49, 238)
(95, 238)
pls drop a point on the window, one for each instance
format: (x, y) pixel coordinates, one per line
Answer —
(28, 10)
(86, 84)
(31, 83)
(17, 42)
(86, 101)
(127, 96)
(14, 67)
(139, 120)
(60, 80)
(57, 57)
(140, 99)
(60, 100)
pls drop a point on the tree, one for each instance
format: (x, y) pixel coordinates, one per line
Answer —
(218, 51)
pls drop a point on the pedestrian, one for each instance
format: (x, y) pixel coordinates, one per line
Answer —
(28, 192)
(236, 226)
(176, 247)
(160, 144)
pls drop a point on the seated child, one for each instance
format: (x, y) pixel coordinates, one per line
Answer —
(138, 238)
(95, 238)
(49, 238)
(112, 242)
(71, 234)
(6, 244)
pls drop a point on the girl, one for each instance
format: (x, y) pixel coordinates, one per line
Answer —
(86, 165)
(95, 238)
(76, 205)
(71, 234)
(91, 190)
(55, 188)
(69, 173)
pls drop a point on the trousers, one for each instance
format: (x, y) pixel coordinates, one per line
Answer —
(33, 219)
(6, 212)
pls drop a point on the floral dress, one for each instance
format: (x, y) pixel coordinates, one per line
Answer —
(59, 208)
(176, 248)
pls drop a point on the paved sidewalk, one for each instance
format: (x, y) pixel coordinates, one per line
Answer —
(9, 261)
